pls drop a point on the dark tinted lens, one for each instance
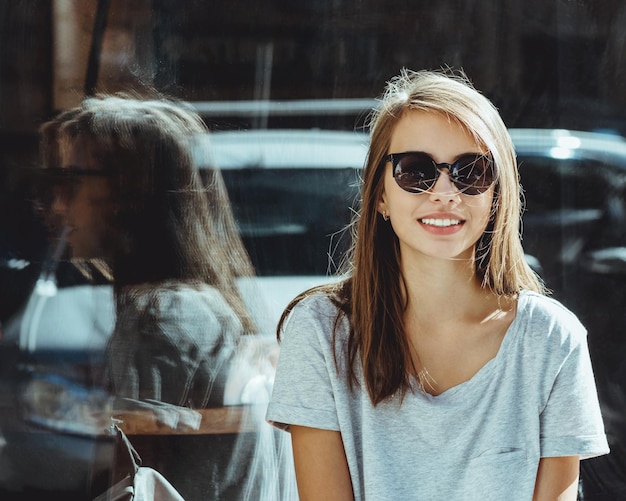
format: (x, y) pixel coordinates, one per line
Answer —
(472, 174)
(65, 182)
(415, 172)
(60, 183)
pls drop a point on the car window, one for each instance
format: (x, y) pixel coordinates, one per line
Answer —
(552, 184)
(569, 204)
(293, 221)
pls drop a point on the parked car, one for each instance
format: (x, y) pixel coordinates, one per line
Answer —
(295, 191)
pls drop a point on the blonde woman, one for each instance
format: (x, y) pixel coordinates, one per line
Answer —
(438, 369)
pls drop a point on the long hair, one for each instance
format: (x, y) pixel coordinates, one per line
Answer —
(171, 225)
(372, 296)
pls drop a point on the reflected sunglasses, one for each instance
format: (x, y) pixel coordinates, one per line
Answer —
(74, 172)
(67, 179)
(416, 172)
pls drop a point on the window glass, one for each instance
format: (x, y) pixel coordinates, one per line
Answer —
(284, 90)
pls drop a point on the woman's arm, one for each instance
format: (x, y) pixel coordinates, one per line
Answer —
(557, 479)
(321, 465)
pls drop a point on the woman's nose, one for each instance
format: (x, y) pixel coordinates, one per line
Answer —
(444, 189)
(59, 205)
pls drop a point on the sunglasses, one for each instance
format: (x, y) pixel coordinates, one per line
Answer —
(66, 180)
(416, 172)
(75, 172)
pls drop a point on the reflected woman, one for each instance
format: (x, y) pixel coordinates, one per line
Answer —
(128, 193)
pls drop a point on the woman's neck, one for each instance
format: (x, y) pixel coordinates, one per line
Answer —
(436, 286)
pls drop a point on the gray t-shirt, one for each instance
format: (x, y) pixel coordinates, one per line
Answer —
(173, 343)
(480, 440)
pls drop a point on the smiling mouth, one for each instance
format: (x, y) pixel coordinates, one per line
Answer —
(441, 223)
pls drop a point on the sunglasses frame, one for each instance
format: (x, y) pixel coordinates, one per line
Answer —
(66, 180)
(453, 169)
(68, 172)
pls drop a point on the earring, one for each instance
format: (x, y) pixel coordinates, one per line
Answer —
(385, 216)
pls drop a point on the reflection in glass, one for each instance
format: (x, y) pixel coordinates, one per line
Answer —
(187, 367)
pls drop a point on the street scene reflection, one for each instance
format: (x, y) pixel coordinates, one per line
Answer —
(123, 196)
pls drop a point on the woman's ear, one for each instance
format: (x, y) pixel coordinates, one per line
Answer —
(382, 207)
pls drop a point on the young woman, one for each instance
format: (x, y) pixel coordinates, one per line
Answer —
(128, 192)
(437, 369)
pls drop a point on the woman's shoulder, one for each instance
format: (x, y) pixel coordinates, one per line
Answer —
(171, 294)
(320, 310)
(547, 317)
(321, 302)
(542, 305)
(181, 303)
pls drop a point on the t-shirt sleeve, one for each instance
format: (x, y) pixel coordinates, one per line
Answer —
(571, 422)
(173, 345)
(305, 375)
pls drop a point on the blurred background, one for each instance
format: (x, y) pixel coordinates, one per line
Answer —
(556, 63)
(545, 64)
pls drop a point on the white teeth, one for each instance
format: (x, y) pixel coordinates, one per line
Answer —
(440, 222)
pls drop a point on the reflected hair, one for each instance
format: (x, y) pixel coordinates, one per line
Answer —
(171, 223)
(372, 296)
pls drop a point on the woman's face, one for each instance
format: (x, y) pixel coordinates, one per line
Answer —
(441, 222)
(83, 200)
